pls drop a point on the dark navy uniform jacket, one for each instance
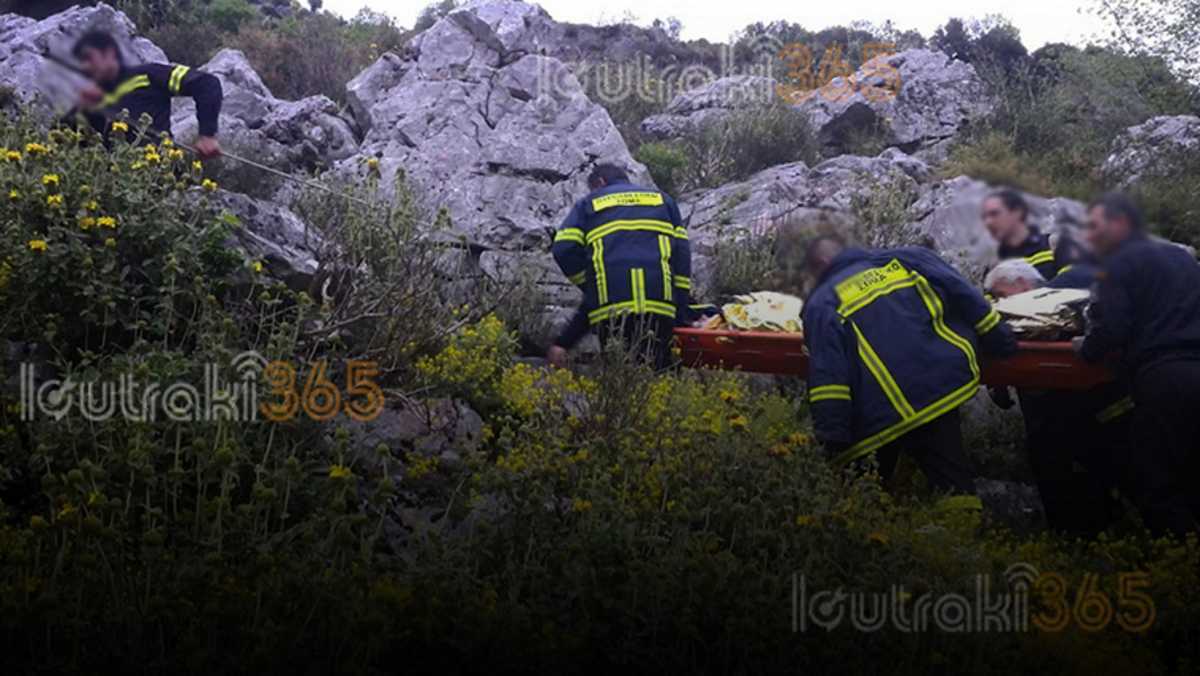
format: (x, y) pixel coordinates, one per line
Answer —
(1036, 251)
(626, 247)
(1147, 305)
(893, 336)
(148, 89)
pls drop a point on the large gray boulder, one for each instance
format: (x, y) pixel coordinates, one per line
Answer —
(916, 100)
(296, 137)
(1153, 149)
(693, 109)
(271, 234)
(38, 81)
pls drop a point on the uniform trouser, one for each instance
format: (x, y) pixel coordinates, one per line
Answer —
(648, 338)
(1165, 452)
(937, 448)
(1073, 455)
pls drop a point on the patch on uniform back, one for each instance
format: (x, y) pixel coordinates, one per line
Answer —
(628, 199)
(858, 291)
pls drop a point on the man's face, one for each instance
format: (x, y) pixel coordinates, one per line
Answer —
(101, 65)
(1105, 233)
(1007, 288)
(1003, 223)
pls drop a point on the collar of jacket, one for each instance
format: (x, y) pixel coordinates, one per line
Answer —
(846, 257)
(122, 75)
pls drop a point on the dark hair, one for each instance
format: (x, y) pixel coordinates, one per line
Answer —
(1119, 205)
(1013, 201)
(813, 250)
(98, 40)
(606, 174)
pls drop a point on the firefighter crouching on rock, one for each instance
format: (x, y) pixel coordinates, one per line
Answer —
(1147, 309)
(1077, 441)
(144, 89)
(626, 247)
(892, 336)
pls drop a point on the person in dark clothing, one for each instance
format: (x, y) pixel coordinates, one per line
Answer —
(626, 247)
(145, 89)
(1006, 216)
(893, 336)
(1147, 310)
(1075, 440)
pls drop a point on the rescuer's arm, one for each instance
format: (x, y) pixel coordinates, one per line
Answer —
(203, 88)
(571, 254)
(829, 390)
(1111, 317)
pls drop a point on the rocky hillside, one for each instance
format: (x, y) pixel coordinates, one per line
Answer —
(484, 115)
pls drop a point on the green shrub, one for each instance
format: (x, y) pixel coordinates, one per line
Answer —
(666, 164)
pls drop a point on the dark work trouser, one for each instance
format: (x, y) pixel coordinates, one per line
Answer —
(1073, 456)
(1164, 455)
(647, 337)
(938, 449)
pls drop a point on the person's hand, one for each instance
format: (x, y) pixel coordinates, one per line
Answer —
(207, 147)
(557, 356)
(90, 96)
(1077, 343)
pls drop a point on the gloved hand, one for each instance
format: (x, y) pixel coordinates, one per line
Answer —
(1002, 397)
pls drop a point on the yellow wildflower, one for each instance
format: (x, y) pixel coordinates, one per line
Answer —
(107, 222)
(110, 242)
(119, 126)
(209, 185)
(258, 266)
(197, 165)
(137, 165)
(729, 396)
(50, 180)
(167, 142)
(779, 451)
(580, 505)
(373, 164)
(175, 154)
(878, 537)
(87, 223)
(37, 245)
(92, 205)
(14, 194)
(85, 189)
(12, 155)
(739, 422)
(799, 439)
(38, 521)
(805, 520)
(36, 149)
(340, 472)
(152, 157)
(54, 200)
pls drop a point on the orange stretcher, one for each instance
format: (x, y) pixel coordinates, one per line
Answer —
(1043, 366)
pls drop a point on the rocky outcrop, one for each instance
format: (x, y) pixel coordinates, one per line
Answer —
(915, 100)
(271, 234)
(302, 137)
(38, 81)
(694, 108)
(1155, 148)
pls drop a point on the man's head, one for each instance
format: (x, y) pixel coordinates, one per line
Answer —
(605, 175)
(820, 253)
(99, 56)
(1005, 215)
(1112, 219)
(1012, 277)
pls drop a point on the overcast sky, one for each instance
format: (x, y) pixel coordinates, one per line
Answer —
(1040, 21)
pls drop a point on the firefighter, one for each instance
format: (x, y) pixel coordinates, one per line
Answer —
(1075, 440)
(144, 89)
(893, 336)
(1147, 310)
(1006, 217)
(626, 247)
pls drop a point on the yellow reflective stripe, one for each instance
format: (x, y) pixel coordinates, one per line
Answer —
(569, 235)
(579, 279)
(991, 321)
(1115, 411)
(132, 84)
(664, 254)
(176, 81)
(681, 233)
(932, 412)
(661, 227)
(637, 286)
(628, 199)
(682, 282)
(934, 304)
(1065, 269)
(884, 377)
(654, 307)
(1040, 257)
(862, 289)
(601, 275)
(828, 392)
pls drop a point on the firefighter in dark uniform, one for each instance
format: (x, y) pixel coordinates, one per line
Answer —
(1006, 217)
(1077, 441)
(1147, 310)
(626, 247)
(893, 336)
(144, 89)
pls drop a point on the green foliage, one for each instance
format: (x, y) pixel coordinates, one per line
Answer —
(666, 163)
(742, 262)
(1171, 200)
(433, 12)
(1166, 29)
(229, 15)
